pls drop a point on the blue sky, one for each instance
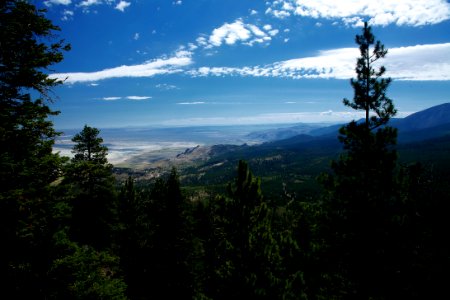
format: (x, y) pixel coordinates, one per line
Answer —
(211, 62)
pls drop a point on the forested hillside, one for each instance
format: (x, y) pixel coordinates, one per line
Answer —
(370, 225)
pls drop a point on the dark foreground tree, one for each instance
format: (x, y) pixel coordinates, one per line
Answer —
(156, 242)
(242, 248)
(91, 184)
(362, 192)
(27, 165)
(86, 265)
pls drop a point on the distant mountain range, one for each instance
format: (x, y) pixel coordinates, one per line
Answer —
(430, 123)
(295, 156)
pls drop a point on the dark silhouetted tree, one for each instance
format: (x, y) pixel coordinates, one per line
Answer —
(246, 255)
(27, 165)
(369, 87)
(91, 185)
(156, 242)
(362, 190)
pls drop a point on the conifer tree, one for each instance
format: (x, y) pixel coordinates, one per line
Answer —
(362, 189)
(369, 87)
(158, 259)
(90, 181)
(27, 165)
(248, 261)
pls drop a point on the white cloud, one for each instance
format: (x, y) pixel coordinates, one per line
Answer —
(274, 32)
(280, 14)
(136, 36)
(191, 103)
(57, 2)
(138, 98)
(253, 12)
(192, 46)
(111, 98)
(150, 68)
(87, 3)
(179, 2)
(420, 62)
(166, 87)
(122, 5)
(135, 98)
(202, 41)
(67, 15)
(238, 31)
(381, 12)
(230, 34)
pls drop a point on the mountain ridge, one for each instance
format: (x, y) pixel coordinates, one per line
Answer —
(434, 117)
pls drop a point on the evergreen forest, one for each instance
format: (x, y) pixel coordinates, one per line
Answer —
(375, 228)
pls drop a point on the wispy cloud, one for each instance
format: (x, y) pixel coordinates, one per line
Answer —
(87, 3)
(166, 87)
(57, 2)
(150, 68)
(191, 103)
(122, 5)
(67, 15)
(411, 63)
(134, 98)
(138, 98)
(111, 98)
(352, 12)
(403, 63)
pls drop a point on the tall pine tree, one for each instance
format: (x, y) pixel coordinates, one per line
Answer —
(362, 192)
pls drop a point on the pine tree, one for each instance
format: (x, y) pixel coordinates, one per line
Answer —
(91, 185)
(27, 164)
(89, 146)
(155, 243)
(369, 87)
(247, 256)
(362, 189)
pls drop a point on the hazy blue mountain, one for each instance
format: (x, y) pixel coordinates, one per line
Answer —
(274, 134)
(428, 118)
(426, 124)
(405, 136)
